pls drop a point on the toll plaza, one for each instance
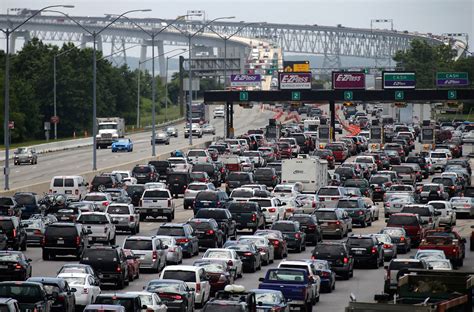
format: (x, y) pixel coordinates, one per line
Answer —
(244, 98)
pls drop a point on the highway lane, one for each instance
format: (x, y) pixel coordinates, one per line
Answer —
(79, 161)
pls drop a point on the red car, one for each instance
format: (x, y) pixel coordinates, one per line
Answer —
(133, 264)
(411, 223)
(339, 150)
(285, 150)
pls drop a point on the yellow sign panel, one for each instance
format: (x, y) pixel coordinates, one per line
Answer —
(288, 69)
(301, 68)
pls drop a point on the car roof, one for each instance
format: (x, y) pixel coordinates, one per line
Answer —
(181, 268)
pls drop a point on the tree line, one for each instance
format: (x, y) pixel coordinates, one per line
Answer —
(32, 96)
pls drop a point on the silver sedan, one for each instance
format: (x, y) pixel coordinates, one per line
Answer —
(174, 252)
(389, 247)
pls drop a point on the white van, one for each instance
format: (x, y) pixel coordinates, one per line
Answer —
(75, 187)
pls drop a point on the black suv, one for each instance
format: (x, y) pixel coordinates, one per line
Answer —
(102, 182)
(236, 179)
(184, 235)
(208, 232)
(10, 207)
(211, 170)
(110, 262)
(366, 249)
(247, 215)
(309, 224)
(65, 299)
(421, 161)
(135, 192)
(223, 217)
(145, 173)
(64, 239)
(294, 236)
(131, 303)
(14, 231)
(338, 256)
(31, 296)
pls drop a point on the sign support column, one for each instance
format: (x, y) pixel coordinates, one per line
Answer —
(332, 111)
(231, 120)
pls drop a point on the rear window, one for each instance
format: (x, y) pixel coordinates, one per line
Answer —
(95, 198)
(444, 181)
(398, 265)
(5, 201)
(196, 153)
(23, 294)
(403, 220)
(203, 168)
(101, 180)
(242, 207)
(216, 214)
(242, 194)
(379, 180)
(118, 210)
(127, 303)
(326, 215)
(334, 147)
(170, 231)
(360, 242)
(156, 194)
(235, 176)
(356, 183)
(429, 188)
(25, 199)
(263, 203)
(284, 227)
(137, 244)
(185, 276)
(438, 155)
(329, 191)
(96, 255)
(141, 169)
(69, 182)
(343, 203)
(403, 169)
(208, 196)
(61, 231)
(264, 172)
(329, 249)
(198, 225)
(135, 189)
(198, 187)
(301, 220)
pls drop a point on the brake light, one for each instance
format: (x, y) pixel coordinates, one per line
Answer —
(105, 204)
(325, 274)
(85, 291)
(254, 217)
(14, 233)
(466, 206)
(210, 232)
(345, 260)
(78, 240)
(272, 209)
(387, 246)
(276, 243)
(402, 239)
(76, 192)
(247, 254)
(338, 222)
(37, 232)
(313, 257)
(230, 263)
(361, 212)
(132, 218)
(154, 255)
(374, 250)
(60, 298)
(298, 235)
(169, 202)
(119, 269)
(387, 274)
(18, 266)
(43, 241)
(313, 204)
(312, 227)
(198, 287)
(140, 203)
(182, 240)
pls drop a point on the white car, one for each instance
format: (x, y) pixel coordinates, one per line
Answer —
(100, 223)
(233, 259)
(235, 146)
(198, 156)
(246, 164)
(174, 252)
(151, 300)
(126, 176)
(196, 130)
(439, 264)
(201, 286)
(448, 215)
(219, 112)
(439, 158)
(180, 164)
(287, 190)
(241, 194)
(369, 160)
(272, 208)
(86, 286)
(100, 200)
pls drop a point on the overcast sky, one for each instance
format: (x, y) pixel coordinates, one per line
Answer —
(435, 16)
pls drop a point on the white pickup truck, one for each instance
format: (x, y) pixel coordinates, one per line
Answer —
(157, 203)
(100, 223)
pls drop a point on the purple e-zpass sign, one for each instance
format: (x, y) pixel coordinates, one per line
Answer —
(295, 81)
(348, 80)
(245, 80)
(445, 79)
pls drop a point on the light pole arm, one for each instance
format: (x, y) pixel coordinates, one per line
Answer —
(209, 23)
(38, 12)
(73, 20)
(118, 17)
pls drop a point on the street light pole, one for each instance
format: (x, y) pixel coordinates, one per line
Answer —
(166, 82)
(6, 115)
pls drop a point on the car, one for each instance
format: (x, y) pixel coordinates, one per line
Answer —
(265, 247)
(35, 229)
(25, 155)
(104, 181)
(210, 199)
(208, 129)
(294, 236)
(119, 195)
(270, 300)
(433, 191)
(223, 217)
(110, 262)
(172, 131)
(309, 267)
(310, 225)
(102, 229)
(334, 221)
(230, 256)
(366, 249)
(248, 215)
(389, 247)
(124, 144)
(14, 266)
(217, 272)
(463, 206)
(150, 251)
(157, 203)
(195, 277)
(161, 137)
(125, 217)
(426, 213)
(276, 238)
(219, 112)
(100, 200)
(9, 305)
(196, 130)
(131, 302)
(39, 298)
(448, 214)
(272, 208)
(327, 193)
(439, 264)
(208, 232)
(174, 252)
(429, 253)
(249, 254)
(411, 223)
(15, 232)
(65, 299)
(175, 294)
(357, 209)
(184, 235)
(448, 241)
(87, 288)
(133, 262)
(64, 239)
(151, 300)
(29, 204)
(145, 173)
(236, 179)
(338, 256)
(326, 274)
(399, 237)
(81, 269)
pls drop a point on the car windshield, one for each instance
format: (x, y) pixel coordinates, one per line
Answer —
(328, 191)
(403, 169)
(155, 194)
(181, 275)
(264, 172)
(325, 215)
(365, 160)
(93, 219)
(33, 223)
(22, 293)
(284, 227)
(141, 169)
(171, 231)
(216, 214)
(138, 244)
(421, 211)
(268, 298)
(115, 209)
(439, 264)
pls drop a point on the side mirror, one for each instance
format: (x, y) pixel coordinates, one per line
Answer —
(144, 307)
(87, 184)
(29, 260)
(165, 246)
(261, 279)
(73, 290)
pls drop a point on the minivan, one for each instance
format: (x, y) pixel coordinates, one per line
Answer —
(75, 187)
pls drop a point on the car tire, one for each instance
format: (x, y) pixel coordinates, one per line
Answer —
(133, 231)
(169, 218)
(363, 224)
(46, 255)
(113, 241)
(23, 246)
(120, 284)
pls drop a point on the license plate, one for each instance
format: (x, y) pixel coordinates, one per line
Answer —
(3, 266)
(155, 210)
(60, 242)
(68, 192)
(142, 257)
(358, 252)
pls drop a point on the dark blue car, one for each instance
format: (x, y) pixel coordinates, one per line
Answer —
(327, 276)
(28, 202)
(210, 199)
(269, 300)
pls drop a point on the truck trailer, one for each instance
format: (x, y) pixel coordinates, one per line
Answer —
(312, 172)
